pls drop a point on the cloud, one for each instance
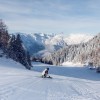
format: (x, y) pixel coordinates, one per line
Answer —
(49, 16)
(35, 8)
(27, 24)
(6, 8)
(51, 26)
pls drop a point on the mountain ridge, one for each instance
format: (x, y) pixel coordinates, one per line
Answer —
(83, 53)
(40, 42)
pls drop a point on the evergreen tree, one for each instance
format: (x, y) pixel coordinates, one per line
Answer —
(10, 48)
(29, 59)
(17, 51)
(13, 46)
(4, 37)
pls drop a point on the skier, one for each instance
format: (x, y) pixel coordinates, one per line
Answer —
(45, 73)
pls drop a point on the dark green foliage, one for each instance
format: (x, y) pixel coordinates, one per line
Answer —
(28, 59)
(17, 51)
(4, 37)
(13, 46)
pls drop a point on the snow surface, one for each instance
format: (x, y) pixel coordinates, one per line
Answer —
(68, 83)
(72, 64)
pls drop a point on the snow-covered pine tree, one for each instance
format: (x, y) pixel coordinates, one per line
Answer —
(13, 47)
(17, 52)
(10, 48)
(83, 53)
(4, 36)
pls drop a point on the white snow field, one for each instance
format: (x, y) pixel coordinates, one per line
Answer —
(68, 83)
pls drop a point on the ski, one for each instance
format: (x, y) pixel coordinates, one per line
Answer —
(47, 77)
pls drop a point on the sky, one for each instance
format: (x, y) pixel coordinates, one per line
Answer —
(51, 16)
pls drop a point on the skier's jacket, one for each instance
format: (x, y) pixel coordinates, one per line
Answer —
(45, 72)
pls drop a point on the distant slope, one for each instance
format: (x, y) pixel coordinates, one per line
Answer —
(83, 53)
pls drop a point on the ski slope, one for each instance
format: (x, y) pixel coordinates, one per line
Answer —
(68, 83)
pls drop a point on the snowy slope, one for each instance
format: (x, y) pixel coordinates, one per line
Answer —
(68, 83)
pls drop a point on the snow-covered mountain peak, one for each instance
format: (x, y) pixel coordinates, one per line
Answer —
(56, 40)
(78, 38)
(41, 42)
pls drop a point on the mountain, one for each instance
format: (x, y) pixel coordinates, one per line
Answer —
(82, 53)
(33, 43)
(40, 44)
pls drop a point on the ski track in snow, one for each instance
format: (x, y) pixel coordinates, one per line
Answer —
(21, 84)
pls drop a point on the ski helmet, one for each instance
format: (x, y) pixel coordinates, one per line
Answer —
(47, 68)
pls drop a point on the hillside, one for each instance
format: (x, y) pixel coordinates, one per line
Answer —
(83, 53)
(68, 83)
